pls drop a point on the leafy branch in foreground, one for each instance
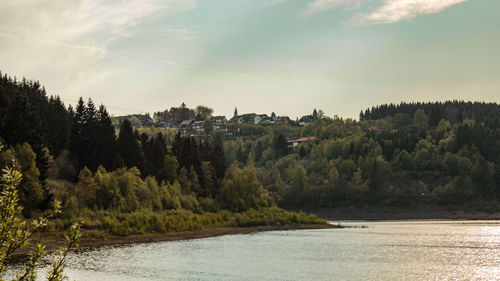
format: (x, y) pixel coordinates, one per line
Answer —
(56, 271)
(15, 232)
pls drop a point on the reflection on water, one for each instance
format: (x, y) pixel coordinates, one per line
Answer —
(408, 250)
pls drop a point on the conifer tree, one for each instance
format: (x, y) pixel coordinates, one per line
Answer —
(105, 139)
(77, 140)
(217, 158)
(128, 145)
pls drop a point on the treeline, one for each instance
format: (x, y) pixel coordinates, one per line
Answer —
(49, 140)
(128, 182)
(454, 112)
(123, 203)
(435, 153)
(381, 161)
(181, 113)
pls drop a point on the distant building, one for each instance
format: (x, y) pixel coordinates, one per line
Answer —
(267, 120)
(249, 118)
(167, 124)
(283, 120)
(219, 120)
(198, 125)
(306, 119)
(294, 143)
(186, 124)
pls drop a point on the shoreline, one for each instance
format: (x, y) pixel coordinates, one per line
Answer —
(91, 239)
(118, 240)
(378, 213)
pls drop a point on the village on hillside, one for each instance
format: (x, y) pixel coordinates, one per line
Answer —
(200, 120)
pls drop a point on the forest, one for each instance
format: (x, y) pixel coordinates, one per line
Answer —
(125, 181)
(152, 179)
(395, 155)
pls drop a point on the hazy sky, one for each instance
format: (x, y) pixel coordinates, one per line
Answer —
(286, 56)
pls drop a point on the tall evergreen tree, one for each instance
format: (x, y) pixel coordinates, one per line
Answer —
(77, 139)
(89, 130)
(59, 125)
(105, 139)
(128, 145)
(157, 156)
(280, 146)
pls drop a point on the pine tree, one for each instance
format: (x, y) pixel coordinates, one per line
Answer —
(77, 140)
(217, 158)
(208, 181)
(280, 146)
(89, 130)
(59, 125)
(315, 114)
(105, 139)
(128, 146)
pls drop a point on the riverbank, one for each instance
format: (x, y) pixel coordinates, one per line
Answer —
(100, 238)
(424, 212)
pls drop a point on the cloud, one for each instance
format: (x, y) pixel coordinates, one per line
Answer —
(391, 11)
(66, 44)
(320, 6)
(80, 22)
(397, 10)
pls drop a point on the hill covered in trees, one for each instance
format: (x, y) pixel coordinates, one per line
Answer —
(156, 179)
(126, 181)
(394, 155)
(454, 112)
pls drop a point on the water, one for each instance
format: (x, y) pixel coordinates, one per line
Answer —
(403, 250)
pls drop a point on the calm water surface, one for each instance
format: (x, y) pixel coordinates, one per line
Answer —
(403, 250)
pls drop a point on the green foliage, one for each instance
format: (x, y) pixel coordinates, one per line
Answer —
(143, 221)
(333, 176)
(170, 167)
(23, 157)
(208, 127)
(450, 152)
(15, 232)
(241, 190)
(420, 119)
(455, 164)
(273, 216)
(280, 146)
(298, 177)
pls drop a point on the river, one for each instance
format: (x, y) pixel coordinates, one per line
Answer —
(388, 250)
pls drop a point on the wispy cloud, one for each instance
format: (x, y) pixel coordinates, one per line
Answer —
(390, 11)
(66, 43)
(397, 10)
(319, 6)
(80, 22)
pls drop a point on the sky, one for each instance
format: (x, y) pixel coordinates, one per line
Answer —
(262, 56)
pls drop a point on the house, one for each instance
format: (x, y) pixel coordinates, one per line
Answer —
(219, 120)
(262, 117)
(167, 124)
(198, 125)
(283, 120)
(306, 119)
(294, 143)
(267, 120)
(249, 118)
(186, 124)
